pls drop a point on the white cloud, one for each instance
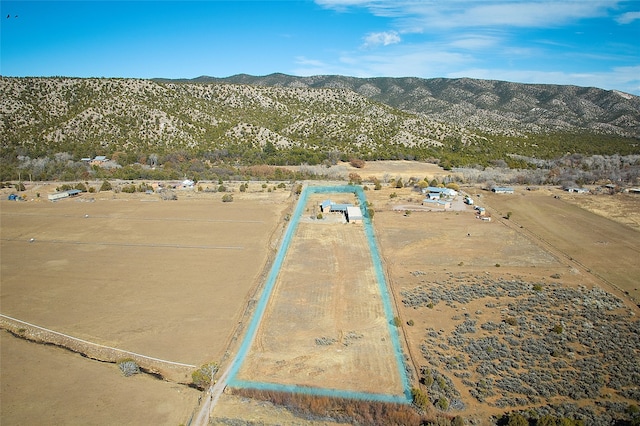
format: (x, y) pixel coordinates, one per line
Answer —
(420, 16)
(474, 42)
(627, 18)
(383, 38)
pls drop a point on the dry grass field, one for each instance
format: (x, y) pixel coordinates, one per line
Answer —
(166, 279)
(536, 311)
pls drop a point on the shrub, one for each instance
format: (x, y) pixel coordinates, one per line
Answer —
(399, 183)
(319, 216)
(557, 329)
(128, 367)
(396, 321)
(420, 398)
(106, 186)
(410, 323)
(227, 198)
(355, 179)
(537, 287)
(393, 195)
(511, 321)
(222, 188)
(19, 186)
(243, 187)
(443, 403)
(129, 189)
(168, 196)
(357, 163)
(508, 216)
(203, 377)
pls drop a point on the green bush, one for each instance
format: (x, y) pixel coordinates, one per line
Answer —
(420, 398)
(106, 186)
(227, 198)
(203, 377)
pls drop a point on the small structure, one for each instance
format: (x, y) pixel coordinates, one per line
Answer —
(63, 194)
(440, 192)
(325, 206)
(354, 214)
(576, 190)
(502, 190)
(444, 204)
(341, 208)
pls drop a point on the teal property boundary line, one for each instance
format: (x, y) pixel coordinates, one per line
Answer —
(270, 283)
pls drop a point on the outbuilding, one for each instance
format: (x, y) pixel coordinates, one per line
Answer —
(502, 190)
(354, 214)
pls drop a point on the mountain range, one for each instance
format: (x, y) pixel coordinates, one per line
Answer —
(257, 119)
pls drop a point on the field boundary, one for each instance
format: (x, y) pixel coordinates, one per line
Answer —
(268, 289)
(92, 350)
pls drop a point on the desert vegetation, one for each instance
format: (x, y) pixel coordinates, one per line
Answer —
(554, 348)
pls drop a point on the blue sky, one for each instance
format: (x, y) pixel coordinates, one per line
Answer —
(581, 42)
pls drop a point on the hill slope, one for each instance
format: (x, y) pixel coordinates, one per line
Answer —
(492, 106)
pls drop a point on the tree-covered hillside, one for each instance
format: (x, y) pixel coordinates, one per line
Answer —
(188, 126)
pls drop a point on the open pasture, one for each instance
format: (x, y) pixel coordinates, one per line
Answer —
(165, 279)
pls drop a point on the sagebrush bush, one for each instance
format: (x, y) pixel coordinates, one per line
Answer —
(128, 367)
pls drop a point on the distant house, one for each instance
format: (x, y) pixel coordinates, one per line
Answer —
(441, 192)
(634, 190)
(576, 190)
(502, 190)
(63, 194)
(98, 160)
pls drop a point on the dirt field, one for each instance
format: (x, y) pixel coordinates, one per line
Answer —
(325, 325)
(158, 278)
(48, 385)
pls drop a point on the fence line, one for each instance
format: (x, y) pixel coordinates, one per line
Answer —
(96, 344)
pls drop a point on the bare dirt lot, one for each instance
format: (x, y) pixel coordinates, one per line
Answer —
(158, 278)
(325, 325)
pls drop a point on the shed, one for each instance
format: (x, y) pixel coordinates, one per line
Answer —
(577, 190)
(502, 190)
(58, 195)
(354, 214)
